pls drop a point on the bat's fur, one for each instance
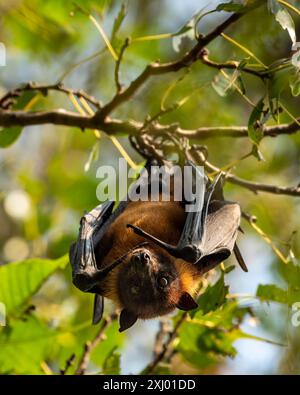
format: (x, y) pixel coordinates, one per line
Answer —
(164, 220)
(142, 275)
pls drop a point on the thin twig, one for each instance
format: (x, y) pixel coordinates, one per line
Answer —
(69, 363)
(231, 64)
(252, 186)
(160, 357)
(91, 345)
(164, 330)
(44, 88)
(118, 64)
(157, 68)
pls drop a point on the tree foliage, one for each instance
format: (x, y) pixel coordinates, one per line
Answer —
(227, 76)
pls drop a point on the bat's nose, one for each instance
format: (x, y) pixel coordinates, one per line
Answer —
(141, 258)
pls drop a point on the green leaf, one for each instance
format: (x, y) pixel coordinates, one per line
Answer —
(112, 362)
(241, 84)
(225, 86)
(291, 274)
(213, 297)
(285, 20)
(9, 135)
(231, 7)
(295, 60)
(255, 131)
(20, 280)
(257, 153)
(118, 22)
(24, 345)
(188, 30)
(229, 269)
(113, 340)
(272, 293)
(119, 19)
(204, 345)
(279, 82)
(295, 84)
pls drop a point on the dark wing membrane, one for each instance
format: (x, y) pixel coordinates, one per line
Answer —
(190, 246)
(86, 275)
(209, 232)
(82, 256)
(220, 233)
(98, 308)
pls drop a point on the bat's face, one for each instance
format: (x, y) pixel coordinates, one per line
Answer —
(150, 283)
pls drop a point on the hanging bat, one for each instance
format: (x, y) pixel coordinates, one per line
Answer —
(148, 256)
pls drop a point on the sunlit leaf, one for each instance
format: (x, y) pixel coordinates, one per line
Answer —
(119, 20)
(285, 20)
(213, 297)
(225, 86)
(24, 345)
(20, 280)
(188, 30)
(272, 293)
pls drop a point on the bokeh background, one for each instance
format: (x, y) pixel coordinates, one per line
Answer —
(48, 176)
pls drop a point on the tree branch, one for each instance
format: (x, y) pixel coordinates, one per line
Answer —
(160, 356)
(7, 99)
(162, 68)
(255, 187)
(69, 363)
(90, 346)
(231, 64)
(62, 117)
(55, 117)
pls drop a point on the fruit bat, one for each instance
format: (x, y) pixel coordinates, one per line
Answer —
(148, 256)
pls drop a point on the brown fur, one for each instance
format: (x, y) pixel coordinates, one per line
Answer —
(164, 220)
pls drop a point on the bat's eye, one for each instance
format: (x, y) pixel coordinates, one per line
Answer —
(163, 282)
(134, 290)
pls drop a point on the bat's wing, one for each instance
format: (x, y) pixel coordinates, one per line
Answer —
(210, 230)
(98, 308)
(85, 273)
(220, 232)
(82, 257)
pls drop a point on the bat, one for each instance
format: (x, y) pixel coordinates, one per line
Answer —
(148, 256)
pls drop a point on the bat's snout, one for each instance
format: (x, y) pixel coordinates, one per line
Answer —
(141, 258)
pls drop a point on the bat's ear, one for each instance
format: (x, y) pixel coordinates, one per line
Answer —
(186, 302)
(127, 319)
